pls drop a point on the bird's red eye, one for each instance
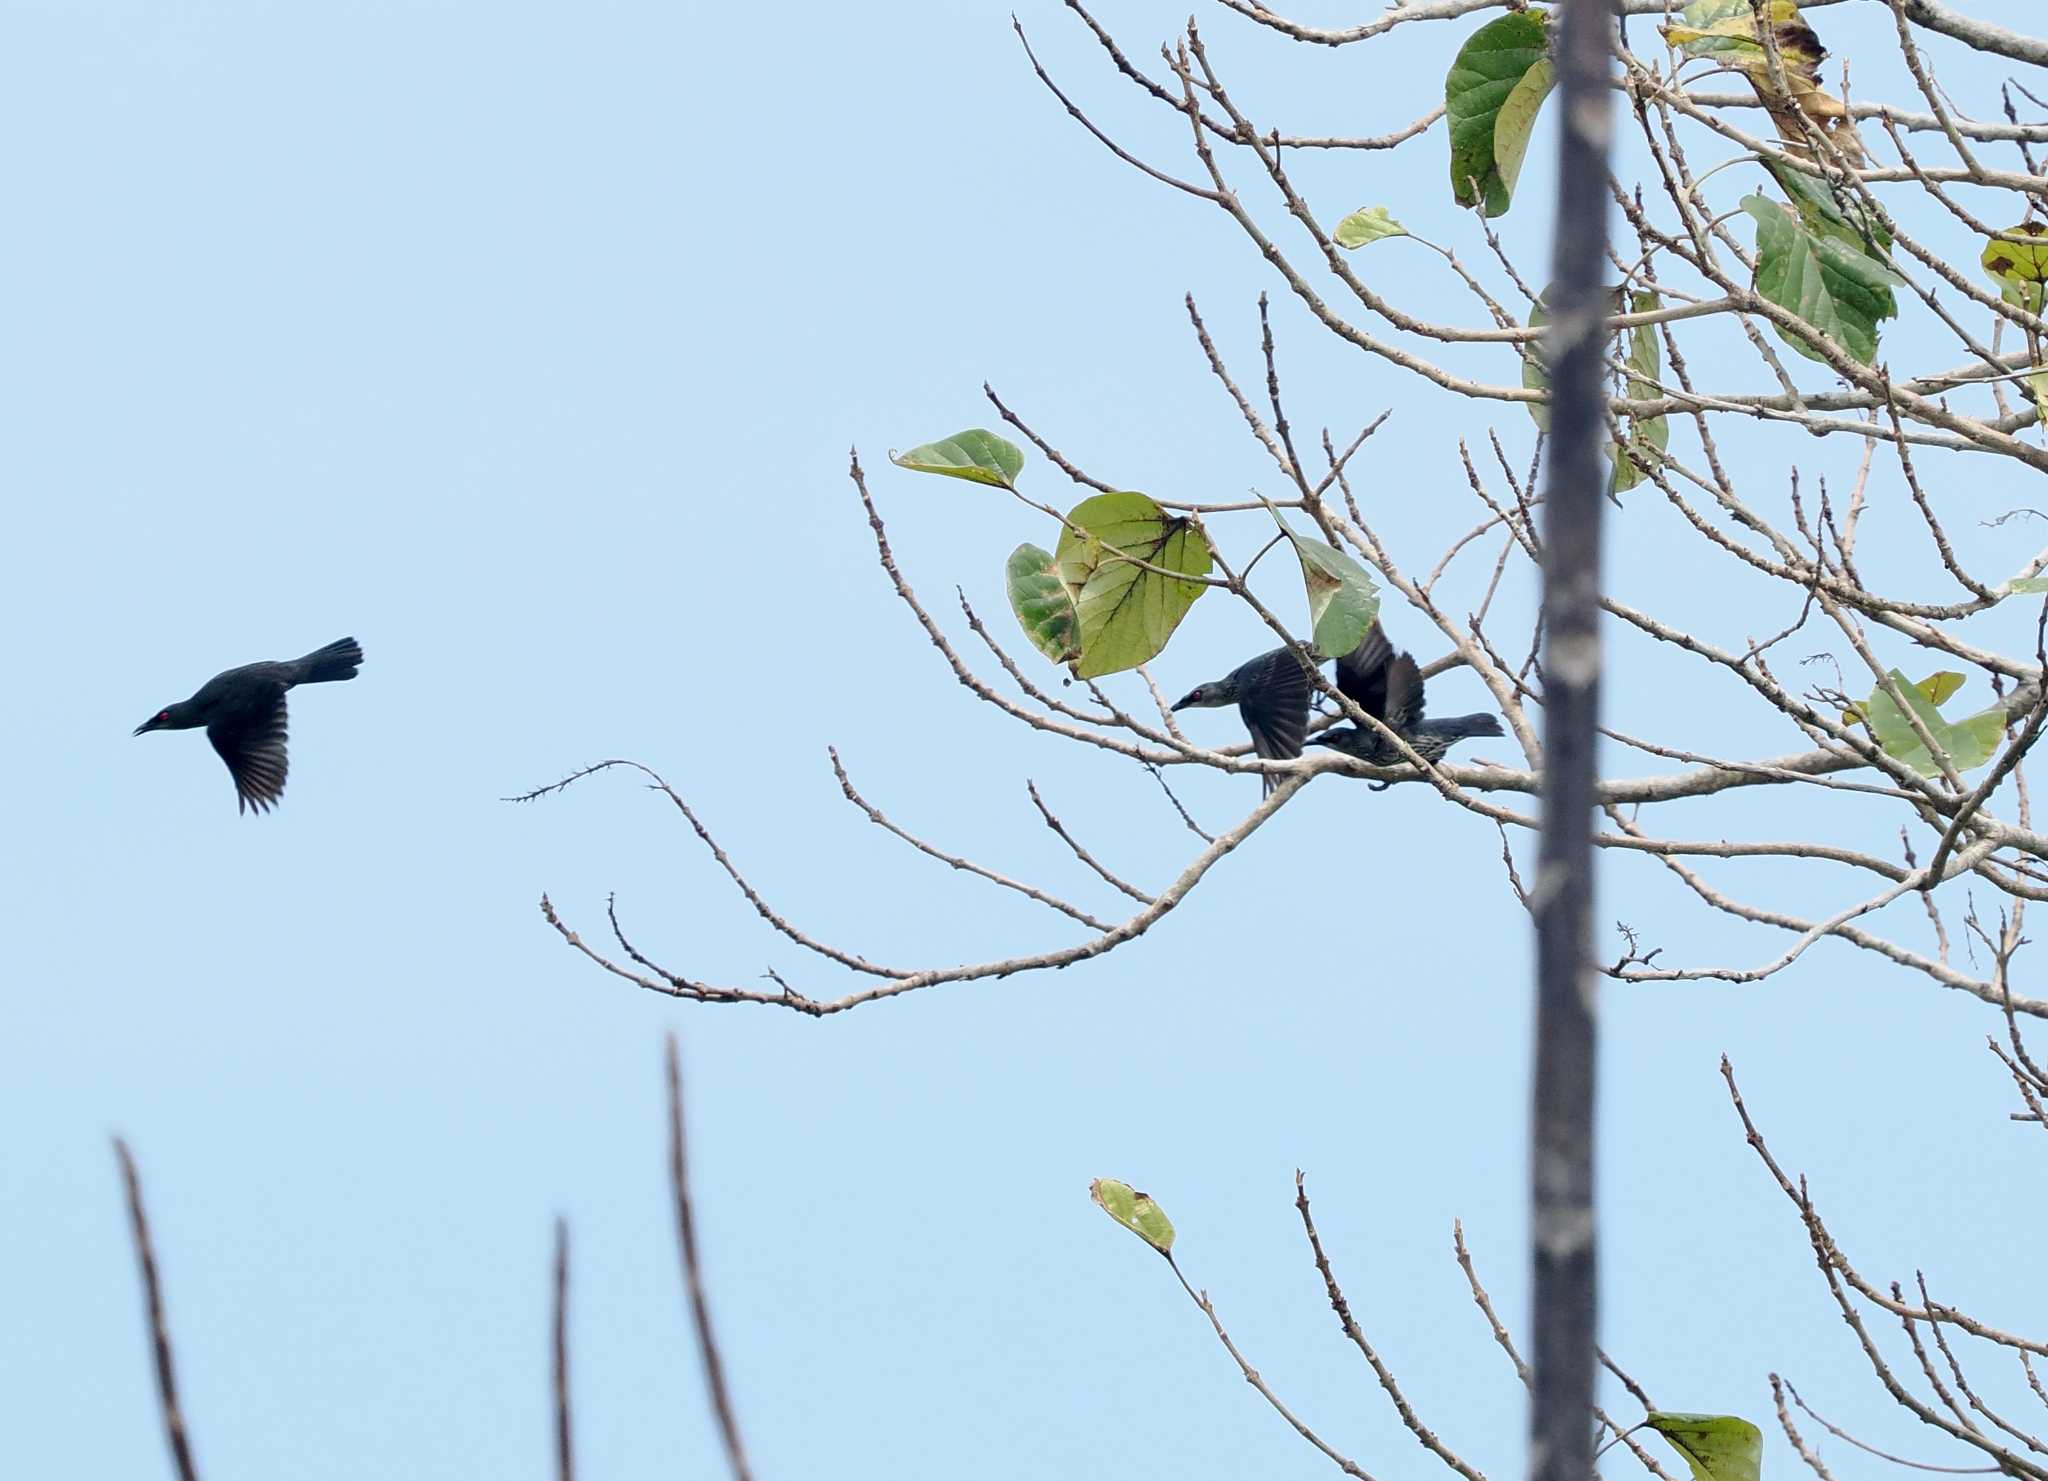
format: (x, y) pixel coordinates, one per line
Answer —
(163, 714)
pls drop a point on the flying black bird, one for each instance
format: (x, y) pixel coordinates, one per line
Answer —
(243, 712)
(1271, 694)
(1390, 690)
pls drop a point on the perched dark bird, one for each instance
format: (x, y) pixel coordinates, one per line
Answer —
(1389, 688)
(1271, 694)
(243, 712)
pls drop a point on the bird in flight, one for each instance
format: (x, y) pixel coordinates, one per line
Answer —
(244, 715)
(1271, 694)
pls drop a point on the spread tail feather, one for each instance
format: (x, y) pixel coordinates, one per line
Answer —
(338, 660)
(1462, 727)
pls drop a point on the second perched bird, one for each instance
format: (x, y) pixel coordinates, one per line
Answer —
(1271, 694)
(244, 715)
(1389, 688)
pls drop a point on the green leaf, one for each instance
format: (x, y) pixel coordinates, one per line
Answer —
(1366, 225)
(1535, 376)
(1653, 433)
(1044, 606)
(1135, 1211)
(1968, 743)
(1489, 71)
(1837, 288)
(2027, 586)
(975, 455)
(1128, 612)
(2017, 260)
(1938, 689)
(1826, 213)
(1343, 602)
(1718, 1447)
(1646, 364)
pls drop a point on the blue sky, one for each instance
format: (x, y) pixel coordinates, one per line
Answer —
(527, 346)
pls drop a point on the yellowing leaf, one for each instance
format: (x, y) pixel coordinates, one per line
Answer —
(1367, 225)
(1517, 122)
(1135, 1211)
(1727, 31)
(2017, 260)
(1128, 611)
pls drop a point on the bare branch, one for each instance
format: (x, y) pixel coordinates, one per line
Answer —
(693, 1272)
(159, 1329)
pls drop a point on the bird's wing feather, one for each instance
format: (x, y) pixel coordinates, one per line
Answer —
(1273, 704)
(252, 744)
(1404, 694)
(1362, 673)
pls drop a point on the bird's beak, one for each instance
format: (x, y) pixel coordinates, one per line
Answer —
(1180, 705)
(149, 724)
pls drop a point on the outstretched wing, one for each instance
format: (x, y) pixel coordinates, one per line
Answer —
(1362, 673)
(1404, 695)
(1273, 703)
(252, 744)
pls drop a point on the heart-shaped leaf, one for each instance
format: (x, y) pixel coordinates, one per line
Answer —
(975, 455)
(1718, 1447)
(1135, 1211)
(1367, 225)
(1043, 604)
(1127, 610)
(1488, 71)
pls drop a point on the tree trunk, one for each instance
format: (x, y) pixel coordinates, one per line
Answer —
(1561, 1170)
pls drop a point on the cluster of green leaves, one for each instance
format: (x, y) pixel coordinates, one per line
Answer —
(1967, 743)
(1111, 592)
(1125, 571)
(1718, 1447)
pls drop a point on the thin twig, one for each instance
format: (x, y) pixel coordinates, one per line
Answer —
(693, 1272)
(565, 1455)
(159, 1330)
